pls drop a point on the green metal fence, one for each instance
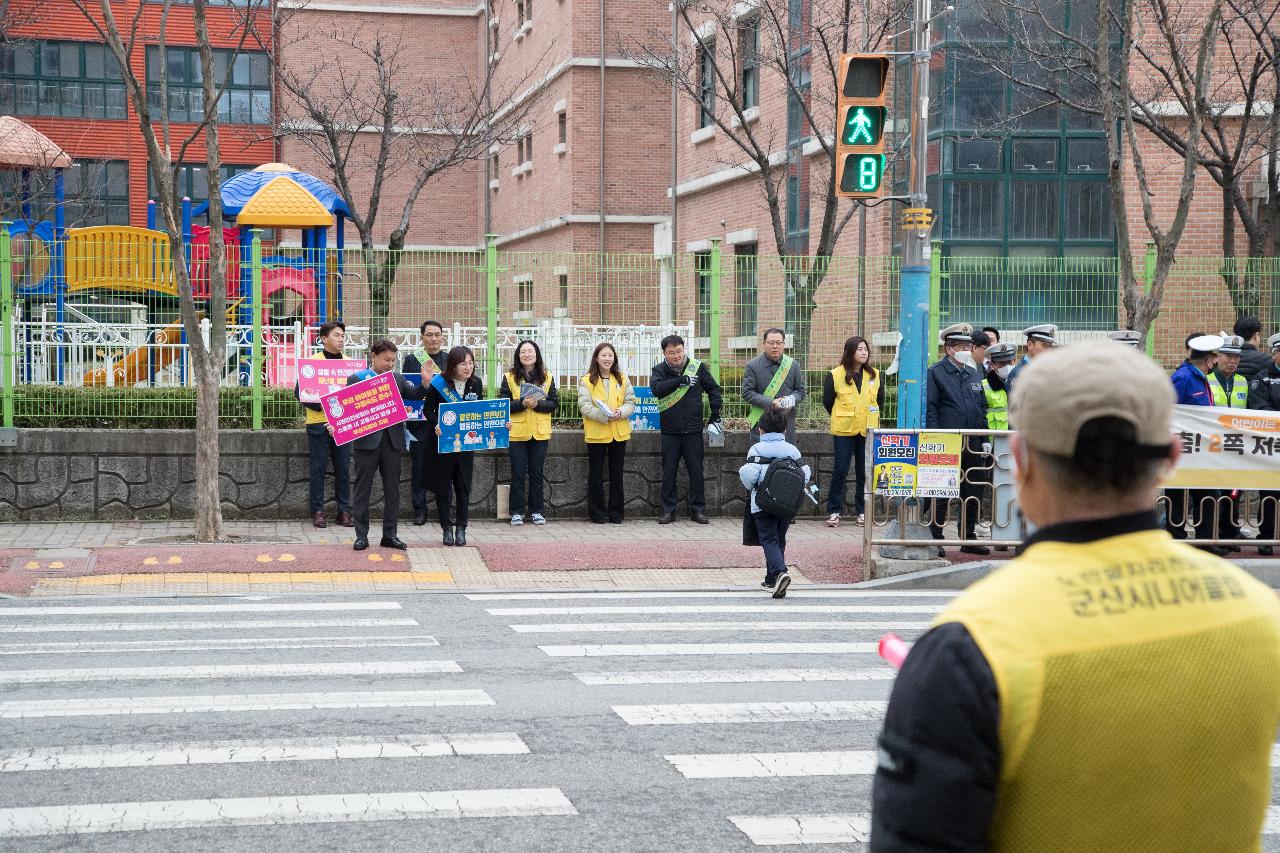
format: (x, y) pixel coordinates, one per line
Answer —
(115, 356)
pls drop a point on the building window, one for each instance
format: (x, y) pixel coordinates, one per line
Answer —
(702, 275)
(60, 78)
(524, 295)
(706, 84)
(564, 290)
(749, 47)
(246, 99)
(746, 276)
(528, 146)
(564, 128)
(193, 181)
(976, 155)
(493, 166)
(96, 192)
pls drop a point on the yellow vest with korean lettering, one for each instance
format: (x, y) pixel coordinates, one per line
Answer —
(1139, 696)
(1238, 398)
(526, 423)
(620, 430)
(855, 410)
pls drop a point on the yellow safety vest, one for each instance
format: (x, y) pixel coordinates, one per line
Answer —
(526, 423)
(855, 410)
(1239, 396)
(1139, 696)
(997, 406)
(619, 430)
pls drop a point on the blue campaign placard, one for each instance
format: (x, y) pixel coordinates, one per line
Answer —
(413, 408)
(474, 425)
(645, 418)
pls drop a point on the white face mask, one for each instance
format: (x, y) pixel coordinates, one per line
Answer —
(965, 357)
(1003, 372)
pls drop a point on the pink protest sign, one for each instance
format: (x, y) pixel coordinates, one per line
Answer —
(319, 376)
(364, 407)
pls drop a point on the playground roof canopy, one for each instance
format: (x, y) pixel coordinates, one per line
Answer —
(24, 147)
(236, 191)
(284, 203)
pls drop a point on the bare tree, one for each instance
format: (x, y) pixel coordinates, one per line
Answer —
(374, 116)
(164, 159)
(15, 14)
(801, 54)
(1090, 68)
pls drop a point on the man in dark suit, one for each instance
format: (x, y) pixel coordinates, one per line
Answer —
(429, 359)
(379, 453)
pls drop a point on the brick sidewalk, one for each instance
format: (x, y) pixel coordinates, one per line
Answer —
(132, 557)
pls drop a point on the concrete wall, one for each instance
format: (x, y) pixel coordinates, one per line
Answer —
(74, 475)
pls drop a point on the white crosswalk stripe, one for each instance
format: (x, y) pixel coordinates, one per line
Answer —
(677, 649)
(658, 627)
(746, 593)
(252, 751)
(272, 670)
(657, 609)
(239, 625)
(235, 644)
(62, 611)
(772, 830)
(736, 676)
(692, 714)
(751, 765)
(109, 706)
(251, 811)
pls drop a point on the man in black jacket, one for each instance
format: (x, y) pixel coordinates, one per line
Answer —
(672, 380)
(379, 452)
(954, 400)
(431, 356)
(1264, 394)
(1252, 360)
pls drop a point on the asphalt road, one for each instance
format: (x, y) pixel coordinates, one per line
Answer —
(554, 721)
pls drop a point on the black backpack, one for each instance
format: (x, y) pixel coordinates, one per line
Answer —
(781, 491)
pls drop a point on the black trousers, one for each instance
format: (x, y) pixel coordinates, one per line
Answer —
(686, 446)
(528, 459)
(454, 504)
(1270, 510)
(385, 460)
(615, 453)
(322, 450)
(1199, 506)
(421, 453)
(971, 489)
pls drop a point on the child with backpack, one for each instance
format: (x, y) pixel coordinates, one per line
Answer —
(778, 485)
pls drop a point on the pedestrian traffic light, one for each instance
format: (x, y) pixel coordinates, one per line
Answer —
(860, 117)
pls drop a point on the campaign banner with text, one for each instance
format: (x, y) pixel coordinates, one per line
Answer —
(1226, 448)
(367, 406)
(474, 425)
(645, 418)
(319, 376)
(894, 470)
(938, 465)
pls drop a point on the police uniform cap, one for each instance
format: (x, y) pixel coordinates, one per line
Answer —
(957, 333)
(1128, 337)
(1205, 343)
(1061, 391)
(1231, 344)
(1274, 341)
(1046, 332)
(1002, 352)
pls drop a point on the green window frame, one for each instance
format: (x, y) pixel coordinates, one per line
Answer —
(746, 275)
(192, 182)
(702, 280)
(96, 192)
(66, 79)
(246, 99)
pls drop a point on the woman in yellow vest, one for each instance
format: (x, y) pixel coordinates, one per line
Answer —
(607, 401)
(853, 395)
(533, 397)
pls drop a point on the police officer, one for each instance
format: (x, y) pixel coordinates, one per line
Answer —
(994, 388)
(954, 400)
(1229, 389)
(1264, 394)
(1191, 386)
(1062, 703)
(1040, 339)
(1128, 337)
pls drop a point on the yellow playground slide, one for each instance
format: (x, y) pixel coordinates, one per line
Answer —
(132, 369)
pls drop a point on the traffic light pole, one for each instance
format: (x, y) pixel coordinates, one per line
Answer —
(913, 353)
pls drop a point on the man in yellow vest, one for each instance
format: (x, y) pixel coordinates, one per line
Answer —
(993, 386)
(1109, 689)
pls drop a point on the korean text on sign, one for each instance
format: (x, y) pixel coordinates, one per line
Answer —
(474, 425)
(363, 408)
(319, 376)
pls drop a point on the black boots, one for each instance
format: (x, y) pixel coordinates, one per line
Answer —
(448, 536)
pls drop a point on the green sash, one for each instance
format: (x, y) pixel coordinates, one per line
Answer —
(690, 369)
(784, 370)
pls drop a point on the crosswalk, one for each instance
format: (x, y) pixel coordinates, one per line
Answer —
(451, 722)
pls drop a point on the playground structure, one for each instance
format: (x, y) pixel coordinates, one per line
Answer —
(99, 305)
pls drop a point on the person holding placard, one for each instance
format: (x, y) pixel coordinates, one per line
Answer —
(450, 474)
(534, 398)
(607, 401)
(432, 357)
(321, 448)
(772, 381)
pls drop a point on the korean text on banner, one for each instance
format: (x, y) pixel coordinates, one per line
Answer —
(319, 376)
(1226, 448)
(369, 405)
(645, 418)
(894, 471)
(474, 425)
(938, 465)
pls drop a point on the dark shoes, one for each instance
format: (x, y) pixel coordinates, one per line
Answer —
(317, 518)
(460, 536)
(667, 518)
(615, 521)
(393, 542)
(784, 581)
(1215, 550)
(360, 545)
(981, 550)
(1266, 550)
(419, 518)
(448, 536)
(599, 521)
(345, 520)
(700, 518)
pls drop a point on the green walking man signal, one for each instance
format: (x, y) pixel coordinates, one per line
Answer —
(861, 112)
